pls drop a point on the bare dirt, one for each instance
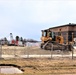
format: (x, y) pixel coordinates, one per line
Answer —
(44, 66)
(30, 50)
(40, 66)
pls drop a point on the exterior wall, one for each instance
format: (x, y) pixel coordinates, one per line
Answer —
(72, 28)
(66, 28)
(66, 32)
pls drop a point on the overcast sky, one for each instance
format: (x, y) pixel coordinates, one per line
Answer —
(27, 18)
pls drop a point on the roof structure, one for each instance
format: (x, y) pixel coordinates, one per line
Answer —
(70, 24)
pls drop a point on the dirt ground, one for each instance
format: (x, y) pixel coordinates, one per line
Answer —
(39, 66)
(44, 66)
(29, 50)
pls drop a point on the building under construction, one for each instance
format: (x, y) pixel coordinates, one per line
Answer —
(68, 31)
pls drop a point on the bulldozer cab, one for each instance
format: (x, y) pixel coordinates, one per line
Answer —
(44, 33)
(47, 35)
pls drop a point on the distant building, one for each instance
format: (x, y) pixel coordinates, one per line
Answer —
(68, 31)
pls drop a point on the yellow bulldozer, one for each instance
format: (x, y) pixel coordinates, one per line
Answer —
(49, 39)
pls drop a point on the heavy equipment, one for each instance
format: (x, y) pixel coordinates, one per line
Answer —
(15, 42)
(49, 39)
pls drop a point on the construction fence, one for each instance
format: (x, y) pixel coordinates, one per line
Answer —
(34, 51)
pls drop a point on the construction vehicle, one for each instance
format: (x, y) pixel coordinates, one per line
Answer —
(14, 42)
(49, 39)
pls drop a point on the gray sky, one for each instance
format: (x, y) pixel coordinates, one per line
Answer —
(27, 18)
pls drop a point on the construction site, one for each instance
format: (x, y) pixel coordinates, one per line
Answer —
(55, 54)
